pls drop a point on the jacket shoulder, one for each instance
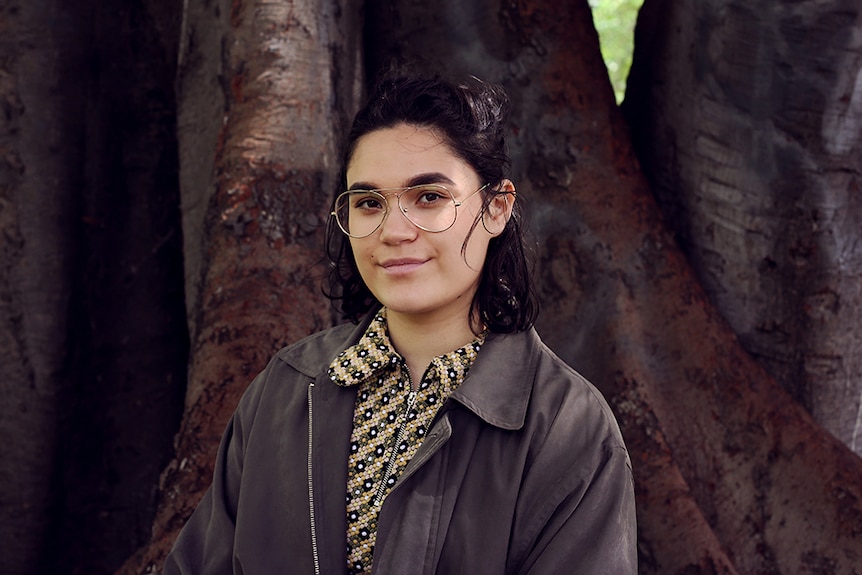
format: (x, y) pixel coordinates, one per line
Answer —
(299, 362)
(315, 352)
(587, 405)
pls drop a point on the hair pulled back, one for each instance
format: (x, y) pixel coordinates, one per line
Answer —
(470, 117)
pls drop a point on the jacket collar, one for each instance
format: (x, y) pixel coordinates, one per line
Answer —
(499, 384)
(312, 355)
(497, 387)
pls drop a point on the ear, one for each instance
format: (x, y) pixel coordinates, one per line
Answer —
(500, 209)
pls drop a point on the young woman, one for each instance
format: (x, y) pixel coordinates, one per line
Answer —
(439, 434)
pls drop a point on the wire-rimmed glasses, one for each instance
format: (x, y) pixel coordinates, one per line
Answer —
(429, 207)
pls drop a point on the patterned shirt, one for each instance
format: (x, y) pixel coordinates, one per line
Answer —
(390, 420)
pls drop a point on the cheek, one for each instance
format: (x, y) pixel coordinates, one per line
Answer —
(476, 252)
(476, 258)
(359, 257)
(357, 248)
(477, 239)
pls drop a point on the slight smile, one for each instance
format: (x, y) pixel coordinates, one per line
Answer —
(401, 265)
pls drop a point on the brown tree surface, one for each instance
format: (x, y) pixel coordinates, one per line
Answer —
(747, 118)
(93, 343)
(732, 474)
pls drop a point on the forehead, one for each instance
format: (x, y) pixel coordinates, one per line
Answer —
(391, 156)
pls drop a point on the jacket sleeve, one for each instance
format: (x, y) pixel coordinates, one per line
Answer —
(589, 524)
(206, 543)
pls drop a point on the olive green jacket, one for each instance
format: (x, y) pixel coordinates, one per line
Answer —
(523, 472)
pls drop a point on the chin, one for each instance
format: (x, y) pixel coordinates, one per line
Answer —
(405, 307)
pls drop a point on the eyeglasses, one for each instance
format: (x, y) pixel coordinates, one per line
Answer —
(429, 207)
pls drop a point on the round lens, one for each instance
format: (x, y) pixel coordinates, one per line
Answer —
(359, 212)
(430, 207)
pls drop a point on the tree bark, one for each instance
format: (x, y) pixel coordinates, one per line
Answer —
(34, 289)
(94, 355)
(129, 340)
(256, 194)
(746, 117)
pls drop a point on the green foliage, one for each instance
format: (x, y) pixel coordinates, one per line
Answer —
(615, 23)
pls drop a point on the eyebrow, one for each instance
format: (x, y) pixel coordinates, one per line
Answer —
(417, 180)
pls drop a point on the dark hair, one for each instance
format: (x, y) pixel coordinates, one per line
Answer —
(470, 116)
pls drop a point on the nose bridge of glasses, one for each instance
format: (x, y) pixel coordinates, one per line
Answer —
(398, 193)
(393, 228)
(387, 219)
(405, 198)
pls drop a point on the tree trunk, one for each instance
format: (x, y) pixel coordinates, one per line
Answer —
(130, 343)
(36, 282)
(732, 475)
(261, 107)
(747, 118)
(91, 314)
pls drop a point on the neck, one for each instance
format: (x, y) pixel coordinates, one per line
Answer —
(419, 339)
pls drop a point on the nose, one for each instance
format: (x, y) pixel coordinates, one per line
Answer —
(396, 228)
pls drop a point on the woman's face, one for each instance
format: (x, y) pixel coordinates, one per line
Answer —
(411, 271)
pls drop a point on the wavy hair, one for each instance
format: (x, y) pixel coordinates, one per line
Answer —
(470, 116)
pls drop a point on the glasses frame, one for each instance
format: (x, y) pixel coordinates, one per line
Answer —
(402, 209)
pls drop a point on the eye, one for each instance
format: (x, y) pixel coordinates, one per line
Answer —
(367, 202)
(430, 197)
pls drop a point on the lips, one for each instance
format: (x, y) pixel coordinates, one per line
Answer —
(401, 265)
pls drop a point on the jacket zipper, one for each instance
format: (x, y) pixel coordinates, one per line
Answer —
(314, 551)
(432, 442)
(411, 399)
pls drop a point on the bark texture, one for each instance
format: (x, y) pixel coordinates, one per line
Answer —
(278, 80)
(31, 358)
(94, 347)
(129, 340)
(747, 117)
